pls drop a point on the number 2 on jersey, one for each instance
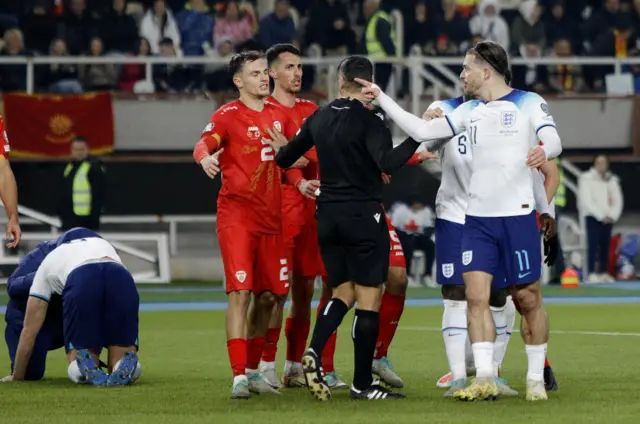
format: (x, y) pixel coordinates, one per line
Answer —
(266, 153)
(462, 144)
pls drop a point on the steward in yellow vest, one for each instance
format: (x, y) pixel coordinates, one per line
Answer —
(83, 191)
(379, 40)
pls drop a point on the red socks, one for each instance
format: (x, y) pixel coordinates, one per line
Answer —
(296, 331)
(237, 349)
(271, 345)
(330, 348)
(254, 352)
(391, 308)
(515, 302)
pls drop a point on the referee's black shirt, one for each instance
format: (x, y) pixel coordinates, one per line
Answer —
(354, 148)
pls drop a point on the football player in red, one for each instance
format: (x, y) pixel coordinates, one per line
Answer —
(298, 221)
(249, 222)
(9, 190)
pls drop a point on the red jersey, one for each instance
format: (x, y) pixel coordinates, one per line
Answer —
(4, 141)
(294, 205)
(250, 196)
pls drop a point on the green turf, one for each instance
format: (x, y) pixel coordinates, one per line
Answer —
(415, 293)
(187, 378)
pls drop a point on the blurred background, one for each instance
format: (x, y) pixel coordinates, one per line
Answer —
(120, 91)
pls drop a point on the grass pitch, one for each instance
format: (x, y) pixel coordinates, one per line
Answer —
(187, 378)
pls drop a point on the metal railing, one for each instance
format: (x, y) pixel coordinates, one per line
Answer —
(582, 246)
(161, 260)
(416, 65)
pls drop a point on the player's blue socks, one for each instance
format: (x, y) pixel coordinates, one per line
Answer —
(89, 369)
(121, 375)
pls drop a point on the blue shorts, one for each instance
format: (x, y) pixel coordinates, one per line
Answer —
(511, 243)
(100, 307)
(449, 253)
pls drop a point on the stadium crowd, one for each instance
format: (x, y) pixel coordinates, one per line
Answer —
(526, 28)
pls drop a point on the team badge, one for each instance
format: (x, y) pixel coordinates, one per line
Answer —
(508, 119)
(467, 257)
(210, 126)
(277, 126)
(241, 276)
(447, 270)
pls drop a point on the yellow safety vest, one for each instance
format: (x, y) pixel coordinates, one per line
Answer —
(374, 47)
(561, 192)
(81, 189)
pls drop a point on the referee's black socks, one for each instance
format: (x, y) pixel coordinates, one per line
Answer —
(328, 321)
(365, 335)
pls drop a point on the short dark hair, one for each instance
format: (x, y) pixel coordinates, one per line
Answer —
(166, 41)
(275, 51)
(355, 67)
(494, 55)
(237, 62)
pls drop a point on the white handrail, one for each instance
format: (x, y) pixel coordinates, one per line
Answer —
(330, 62)
(575, 172)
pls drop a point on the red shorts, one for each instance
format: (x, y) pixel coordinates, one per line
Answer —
(253, 261)
(290, 237)
(396, 254)
(307, 261)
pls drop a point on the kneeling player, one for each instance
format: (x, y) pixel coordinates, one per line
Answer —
(100, 308)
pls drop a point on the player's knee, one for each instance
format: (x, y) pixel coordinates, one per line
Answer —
(34, 373)
(397, 281)
(239, 300)
(267, 299)
(454, 292)
(498, 298)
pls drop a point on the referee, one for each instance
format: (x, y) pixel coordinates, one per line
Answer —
(354, 148)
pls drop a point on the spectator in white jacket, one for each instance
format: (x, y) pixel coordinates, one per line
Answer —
(489, 25)
(159, 23)
(414, 226)
(601, 204)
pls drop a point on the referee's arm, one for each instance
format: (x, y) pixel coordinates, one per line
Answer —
(300, 144)
(380, 146)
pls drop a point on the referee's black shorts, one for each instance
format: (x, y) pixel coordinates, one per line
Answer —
(354, 242)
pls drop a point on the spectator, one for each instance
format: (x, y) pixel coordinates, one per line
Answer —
(565, 78)
(604, 21)
(489, 24)
(420, 28)
(414, 226)
(170, 78)
(62, 77)
(329, 26)
(99, 76)
(39, 28)
(119, 30)
(528, 28)
(218, 77)
(453, 25)
(13, 77)
(131, 73)
(157, 24)
(277, 27)
(235, 25)
(635, 16)
(379, 40)
(196, 27)
(601, 204)
(76, 27)
(559, 25)
(531, 77)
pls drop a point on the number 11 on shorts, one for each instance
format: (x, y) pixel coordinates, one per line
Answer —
(523, 263)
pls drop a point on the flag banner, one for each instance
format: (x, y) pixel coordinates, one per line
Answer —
(41, 126)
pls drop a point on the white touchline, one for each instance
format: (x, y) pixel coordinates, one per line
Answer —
(577, 333)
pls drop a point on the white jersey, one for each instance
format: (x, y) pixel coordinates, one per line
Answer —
(501, 133)
(455, 160)
(52, 274)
